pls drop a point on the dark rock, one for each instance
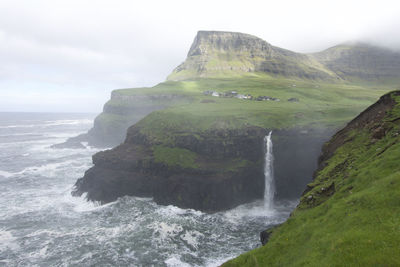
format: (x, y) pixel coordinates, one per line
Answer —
(293, 99)
(265, 235)
(74, 142)
(299, 149)
(368, 119)
(372, 120)
(207, 101)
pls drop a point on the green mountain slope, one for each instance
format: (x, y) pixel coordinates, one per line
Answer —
(350, 214)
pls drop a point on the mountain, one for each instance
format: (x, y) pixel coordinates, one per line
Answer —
(349, 214)
(361, 61)
(214, 54)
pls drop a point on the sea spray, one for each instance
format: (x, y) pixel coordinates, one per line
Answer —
(269, 190)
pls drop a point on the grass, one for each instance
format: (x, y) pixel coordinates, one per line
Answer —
(359, 225)
(173, 157)
(321, 105)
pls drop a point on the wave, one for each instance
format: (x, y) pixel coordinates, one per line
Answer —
(67, 122)
(49, 123)
(6, 174)
(81, 204)
(175, 261)
(7, 241)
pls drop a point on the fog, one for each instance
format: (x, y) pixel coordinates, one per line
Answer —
(67, 56)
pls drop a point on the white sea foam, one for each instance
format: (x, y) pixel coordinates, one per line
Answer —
(192, 238)
(171, 210)
(175, 261)
(49, 123)
(20, 134)
(46, 170)
(18, 126)
(7, 241)
(218, 261)
(6, 174)
(68, 122)
(164, 231)
(81, 204)
(44, 232)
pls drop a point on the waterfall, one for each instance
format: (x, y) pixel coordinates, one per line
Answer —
(268, 173)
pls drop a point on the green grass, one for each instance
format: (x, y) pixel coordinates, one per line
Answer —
(321, 105)
(359, 225)
(174, 157)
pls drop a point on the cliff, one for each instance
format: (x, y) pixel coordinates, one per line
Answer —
(349, 214)
(125, 108)
(209, 171)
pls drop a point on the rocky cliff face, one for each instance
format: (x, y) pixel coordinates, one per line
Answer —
(209, 171)
(295, 159)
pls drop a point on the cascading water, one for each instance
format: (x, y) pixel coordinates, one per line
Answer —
(268, 173)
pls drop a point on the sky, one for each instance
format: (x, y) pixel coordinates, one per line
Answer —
(67, 56)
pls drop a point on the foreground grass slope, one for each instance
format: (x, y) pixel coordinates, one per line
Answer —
(350, 214)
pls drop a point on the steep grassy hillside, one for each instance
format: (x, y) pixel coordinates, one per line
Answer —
(350, 214)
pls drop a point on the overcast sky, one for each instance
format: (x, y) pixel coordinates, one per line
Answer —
(69, 55)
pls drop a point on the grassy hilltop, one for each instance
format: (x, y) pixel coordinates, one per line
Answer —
(320, 104)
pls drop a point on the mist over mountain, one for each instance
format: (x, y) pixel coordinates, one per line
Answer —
(214, 54)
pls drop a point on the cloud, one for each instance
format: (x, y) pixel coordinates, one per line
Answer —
(91, 47)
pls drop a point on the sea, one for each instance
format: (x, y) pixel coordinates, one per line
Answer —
(42, 224)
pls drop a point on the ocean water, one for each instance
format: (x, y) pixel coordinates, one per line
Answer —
(41, 224)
